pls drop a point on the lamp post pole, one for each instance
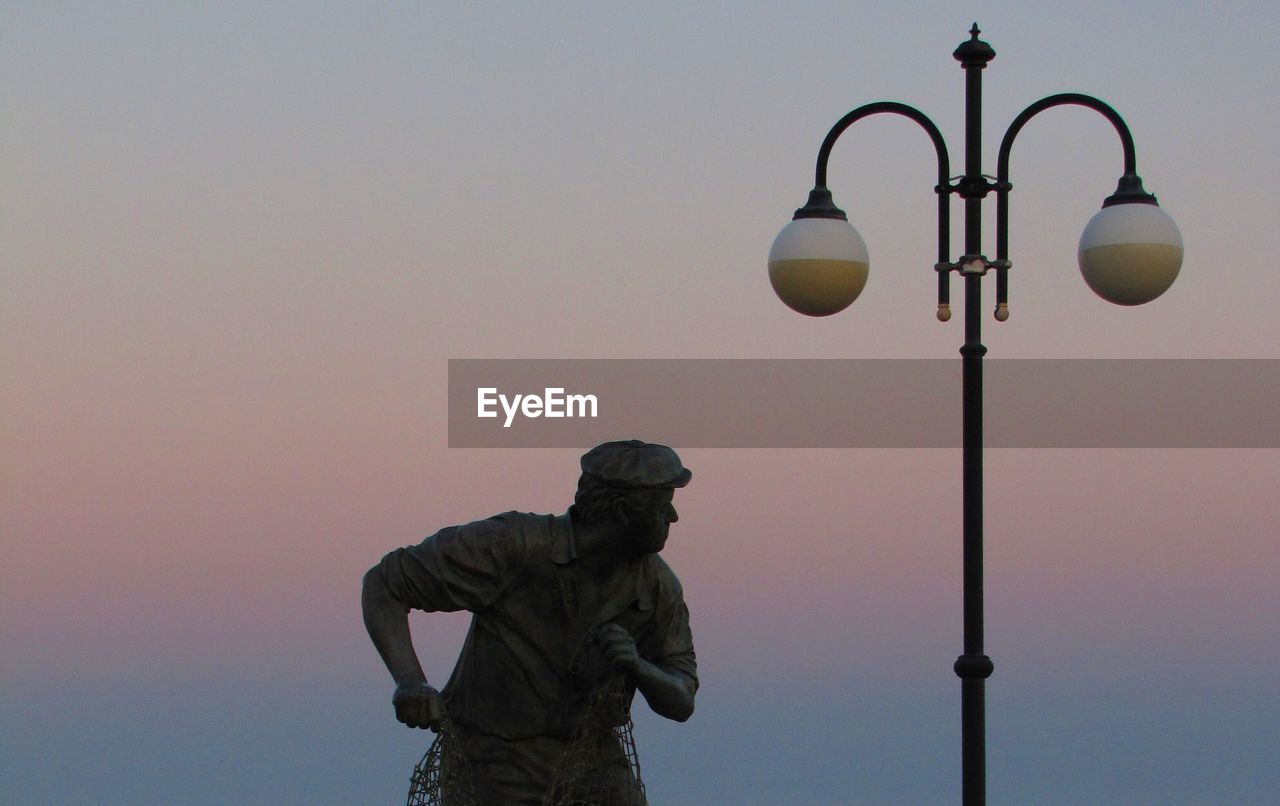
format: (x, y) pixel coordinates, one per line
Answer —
(1130, 253)
(973, 667)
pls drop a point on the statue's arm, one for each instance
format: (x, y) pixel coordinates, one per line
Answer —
(417, 704)
(387, 620)
(458, 568)
(669, 692)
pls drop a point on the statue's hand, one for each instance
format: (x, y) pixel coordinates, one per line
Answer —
(418, 705)
(619, 647)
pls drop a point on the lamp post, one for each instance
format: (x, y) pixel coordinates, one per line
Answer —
(1129, 254)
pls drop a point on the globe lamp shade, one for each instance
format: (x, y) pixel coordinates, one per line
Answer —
(1130, 253)
(818, 266)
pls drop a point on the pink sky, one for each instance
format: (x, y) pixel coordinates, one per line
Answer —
(238, 247)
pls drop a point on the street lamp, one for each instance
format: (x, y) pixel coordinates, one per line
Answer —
(1129, 254)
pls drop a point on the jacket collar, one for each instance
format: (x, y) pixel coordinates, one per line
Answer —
(634, 586)
(563, 548)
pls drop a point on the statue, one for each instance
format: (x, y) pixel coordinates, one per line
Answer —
(571, 615)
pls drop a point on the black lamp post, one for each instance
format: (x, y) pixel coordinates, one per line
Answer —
(1130, 253)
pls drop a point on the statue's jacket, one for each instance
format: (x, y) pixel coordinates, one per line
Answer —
(529, 661)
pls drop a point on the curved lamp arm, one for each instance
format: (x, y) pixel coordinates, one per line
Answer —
(1130, 184)
(822, 196)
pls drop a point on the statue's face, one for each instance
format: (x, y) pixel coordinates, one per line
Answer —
(649, 521)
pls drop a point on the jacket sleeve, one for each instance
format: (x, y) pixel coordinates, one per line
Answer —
(458, 568)
(672, 643)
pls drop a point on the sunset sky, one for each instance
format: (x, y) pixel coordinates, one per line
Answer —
(239, 243)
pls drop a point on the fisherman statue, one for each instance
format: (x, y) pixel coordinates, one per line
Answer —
(571, 615)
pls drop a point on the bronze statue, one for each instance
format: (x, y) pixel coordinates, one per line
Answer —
(564, 608)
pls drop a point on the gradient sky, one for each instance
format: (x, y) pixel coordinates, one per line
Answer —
(239, 242)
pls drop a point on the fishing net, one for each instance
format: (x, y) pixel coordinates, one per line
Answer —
(599, 767)
(442, 777)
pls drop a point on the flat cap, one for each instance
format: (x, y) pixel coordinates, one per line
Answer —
(634, 465)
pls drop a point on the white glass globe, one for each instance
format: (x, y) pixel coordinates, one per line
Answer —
(1130, 253)
(818, 266)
